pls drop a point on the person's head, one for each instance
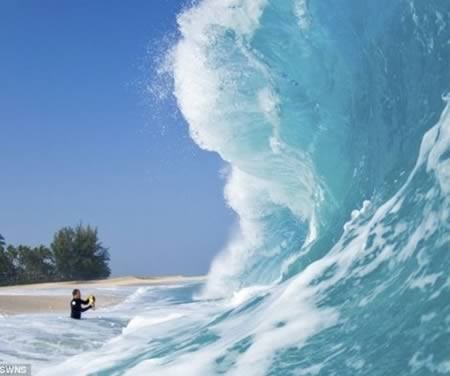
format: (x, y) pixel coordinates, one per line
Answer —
(76, 294)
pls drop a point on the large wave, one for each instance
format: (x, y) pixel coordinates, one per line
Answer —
(316, 106)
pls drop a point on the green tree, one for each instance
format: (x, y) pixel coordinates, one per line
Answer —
(7, 270)
(63, 252)
(15, 271)
(8, 264)
(35, 264)
(78, 254)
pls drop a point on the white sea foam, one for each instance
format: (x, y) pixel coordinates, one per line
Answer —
(139, 322)
(301, 12)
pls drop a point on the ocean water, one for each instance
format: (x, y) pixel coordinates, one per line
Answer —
(333, 119)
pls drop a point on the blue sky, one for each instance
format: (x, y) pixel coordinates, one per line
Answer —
(82, 141)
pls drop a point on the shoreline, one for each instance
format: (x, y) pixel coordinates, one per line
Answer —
(54, 297)
(109, 282)
(11, 305)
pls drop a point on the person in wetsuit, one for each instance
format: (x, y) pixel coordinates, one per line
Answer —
(75, 305)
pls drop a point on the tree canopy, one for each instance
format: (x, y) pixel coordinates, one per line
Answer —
(75, 253)
(79, 254)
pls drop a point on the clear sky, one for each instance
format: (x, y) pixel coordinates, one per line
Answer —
(82, 141)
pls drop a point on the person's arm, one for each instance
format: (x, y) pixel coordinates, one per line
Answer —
(86, 308)
(84, 301)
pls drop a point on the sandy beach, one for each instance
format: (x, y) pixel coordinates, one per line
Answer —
(19, 304)
(12, 303)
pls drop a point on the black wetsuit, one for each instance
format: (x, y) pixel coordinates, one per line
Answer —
(76, 308)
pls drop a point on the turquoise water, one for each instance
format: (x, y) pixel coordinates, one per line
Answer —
(333, 119)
